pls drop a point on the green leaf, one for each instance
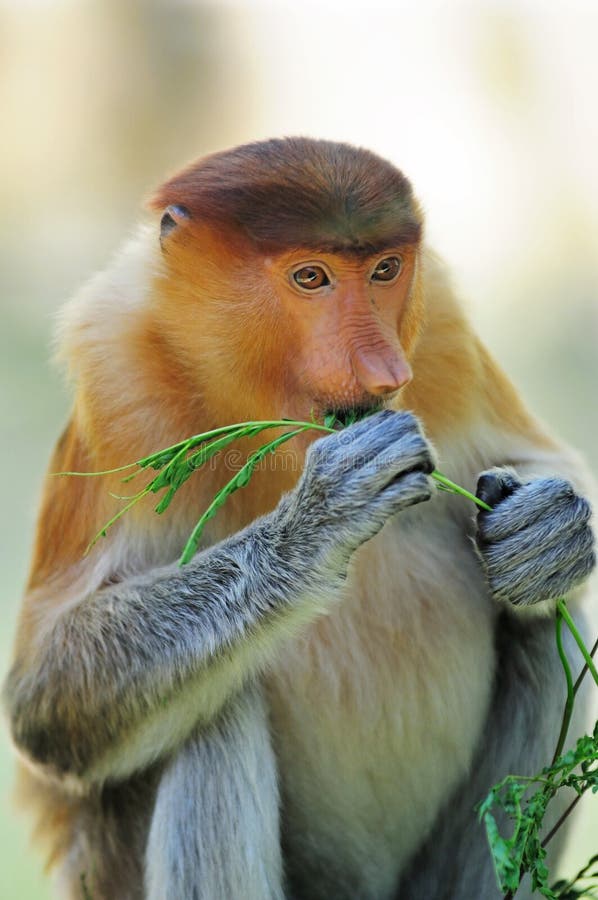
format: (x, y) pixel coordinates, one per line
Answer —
(240, 480)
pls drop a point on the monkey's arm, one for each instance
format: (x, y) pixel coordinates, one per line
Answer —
(122, 676)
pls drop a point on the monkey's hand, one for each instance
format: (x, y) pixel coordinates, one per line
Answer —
(354, 481)
(537, 543)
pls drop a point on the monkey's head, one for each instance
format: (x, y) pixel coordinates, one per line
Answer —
(290, 276)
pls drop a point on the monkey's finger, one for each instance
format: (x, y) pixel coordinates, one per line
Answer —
(545, 561)
(542, 497)
(408, 454)
(361, 521)
(496, 485)
(367, 438)
(557, 584)
(570, 562)
(414, 487)
(328, 451)
(357, 445)
(366, 428)
(566, 518)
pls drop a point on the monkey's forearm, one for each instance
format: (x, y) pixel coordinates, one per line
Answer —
(128, 672)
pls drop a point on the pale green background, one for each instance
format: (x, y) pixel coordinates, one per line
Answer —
(489, 108)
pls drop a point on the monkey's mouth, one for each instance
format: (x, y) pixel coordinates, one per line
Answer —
(343, 416)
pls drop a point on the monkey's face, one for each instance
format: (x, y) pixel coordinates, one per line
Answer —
(347, 320)
(291, 334)
(292, 276)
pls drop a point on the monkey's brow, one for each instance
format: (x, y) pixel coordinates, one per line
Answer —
(361, 250)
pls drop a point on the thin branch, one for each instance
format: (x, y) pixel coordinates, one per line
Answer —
(585, 669)
(561, 819)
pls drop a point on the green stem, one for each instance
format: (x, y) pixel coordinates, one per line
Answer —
(239, 480)
(457, 489)
(90, 474)
(561, 819)
(181, 447)
(584, 671)
(224, 429)
(568, 711)
(115, 518)
(564, 612)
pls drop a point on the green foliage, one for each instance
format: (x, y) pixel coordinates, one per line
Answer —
(524, 851)
(177, 463)
(241, 479)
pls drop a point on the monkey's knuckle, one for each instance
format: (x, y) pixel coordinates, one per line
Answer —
(586, 545)
(583, 508)
(413, 443)
(427, 458)
(419, 485)
(556, 488)
(416, 451)
(383, 415)
(409, 421)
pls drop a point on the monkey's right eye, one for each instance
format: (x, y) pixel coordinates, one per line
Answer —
(311, 277)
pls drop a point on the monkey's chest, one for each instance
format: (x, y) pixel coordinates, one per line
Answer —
(377, 711)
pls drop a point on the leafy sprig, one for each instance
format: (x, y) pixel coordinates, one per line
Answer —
(177, 463)
(525, 850)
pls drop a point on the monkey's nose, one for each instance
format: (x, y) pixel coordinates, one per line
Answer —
(381, 374)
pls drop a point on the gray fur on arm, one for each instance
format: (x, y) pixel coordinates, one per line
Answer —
(129, 650)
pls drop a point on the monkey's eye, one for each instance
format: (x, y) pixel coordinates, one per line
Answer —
(310, 278)
(387, 269)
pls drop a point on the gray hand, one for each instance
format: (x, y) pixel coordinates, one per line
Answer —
(355, 479)
(536, 544)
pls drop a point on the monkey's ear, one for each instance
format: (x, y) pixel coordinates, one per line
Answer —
(172, 218)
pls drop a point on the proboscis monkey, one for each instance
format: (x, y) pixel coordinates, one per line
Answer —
(312, 707)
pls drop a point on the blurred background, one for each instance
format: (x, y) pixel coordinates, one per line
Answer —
(489, 108)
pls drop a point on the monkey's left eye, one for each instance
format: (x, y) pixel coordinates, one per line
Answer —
(311, 277)
(387, 269)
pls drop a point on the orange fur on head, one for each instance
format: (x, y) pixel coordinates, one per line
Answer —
(298, 192)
